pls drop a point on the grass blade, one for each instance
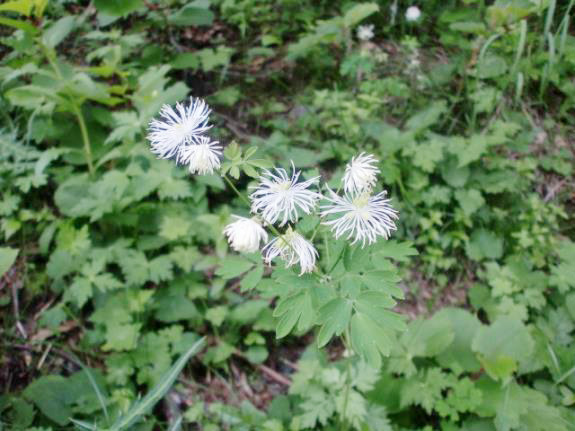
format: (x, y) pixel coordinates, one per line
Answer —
(149, 401)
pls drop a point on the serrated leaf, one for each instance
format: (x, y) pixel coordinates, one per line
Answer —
(233, 266)
(295, 309)
(334, 318)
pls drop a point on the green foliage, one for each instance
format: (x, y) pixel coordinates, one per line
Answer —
(464, 320)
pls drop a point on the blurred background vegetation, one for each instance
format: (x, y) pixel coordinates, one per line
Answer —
(113, 263)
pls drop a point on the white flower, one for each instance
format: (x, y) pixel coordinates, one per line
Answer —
(178, 127)
(365, 32)
(203, 157)
(412, 13)
(245, 234)
(360, 173)
(362, 217)
(292, 248)
(279, 196)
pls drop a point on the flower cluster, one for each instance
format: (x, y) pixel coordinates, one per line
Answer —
(180, 135)
(280, 197)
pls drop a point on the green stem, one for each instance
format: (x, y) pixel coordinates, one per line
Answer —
(85, 138)
(345, 422)
(337, 260)
(235, 189)
(76, 108)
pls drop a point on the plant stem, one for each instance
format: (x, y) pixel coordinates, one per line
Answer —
(235, 189)
(77, 111)
(85, 138)
(345, 422)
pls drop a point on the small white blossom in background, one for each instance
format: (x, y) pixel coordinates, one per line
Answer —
(412, 13)
(361, 217)
(245, 234)
(279, 196)
(202, 157)
(360, 173)
(178, 127)
(365, 32)
(292, 248)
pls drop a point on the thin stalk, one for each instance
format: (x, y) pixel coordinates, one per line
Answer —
(337, 260)
(85, 138)
(345, 422)
(76, 109)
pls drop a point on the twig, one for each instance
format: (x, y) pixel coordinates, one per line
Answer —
(271, 373)
(16, 308)
(58, 352)
(552, 191)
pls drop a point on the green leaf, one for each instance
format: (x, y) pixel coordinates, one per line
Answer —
(334, 318)
(369, 340)
(428, 337)
(502, 345)
(192, 15)
(427, 117)
(491, 66)
(294, 309)
(144, 406)
(458, 356)
(470, 200)
(484, 244)
(233, 266)
(7, 258)
(117, 7)
(58, 31)
(358, 13)
(428, 154)
(50, 394)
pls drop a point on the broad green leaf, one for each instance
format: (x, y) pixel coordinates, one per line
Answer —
(427, 117)
(458, 356)
(484, 244)
(7, 258)
(491, 66)
(358, 13)
(428, 337)
(117, 7)
(334, 318)
(58, 31)
(23, 7)
(19, 24)
(470, 200)
(502, 345)
(192, 15)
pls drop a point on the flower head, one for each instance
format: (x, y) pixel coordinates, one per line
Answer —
(202, 157)
(412, 13)
(279, 196)
(292, 248)
(365, 32)
(360, 173)
(363, 217)
(178, 127)
(245, 234)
